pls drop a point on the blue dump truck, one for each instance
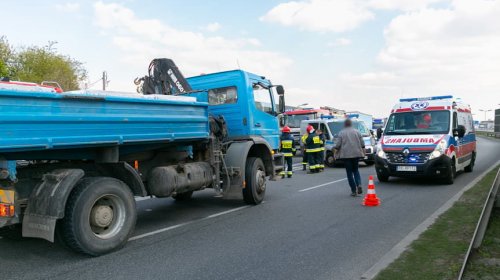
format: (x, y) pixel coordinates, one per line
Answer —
(71, 163)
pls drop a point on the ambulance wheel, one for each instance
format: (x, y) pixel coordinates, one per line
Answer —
(452, 172)
(183, 196)
(470, 167)
(255, 181)
(100, 216)
(330, 159)
(382, 177)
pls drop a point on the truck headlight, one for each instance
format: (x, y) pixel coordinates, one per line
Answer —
(439, 150)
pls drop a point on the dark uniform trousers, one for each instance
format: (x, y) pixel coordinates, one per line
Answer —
(287, 149)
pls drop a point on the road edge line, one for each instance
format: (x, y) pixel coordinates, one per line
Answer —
(402, 245)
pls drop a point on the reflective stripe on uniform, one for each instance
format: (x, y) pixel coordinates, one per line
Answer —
(282, 173)
(287, 144)
(288, 154)
(315, 150)
(289, 172)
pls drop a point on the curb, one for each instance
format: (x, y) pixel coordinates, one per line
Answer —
(399, 248)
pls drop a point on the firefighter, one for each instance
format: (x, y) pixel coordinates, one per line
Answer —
(313, 148)
(321, 154)
(304, 151)
(287, 149)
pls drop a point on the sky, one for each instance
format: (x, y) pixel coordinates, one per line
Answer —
(358, 55)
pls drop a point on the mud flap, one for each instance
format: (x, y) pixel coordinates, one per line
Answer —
(279, 165)
(48, 201)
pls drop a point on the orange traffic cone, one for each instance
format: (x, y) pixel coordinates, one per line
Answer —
(371, 198)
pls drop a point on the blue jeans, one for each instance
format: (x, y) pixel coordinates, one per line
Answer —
(351, 168)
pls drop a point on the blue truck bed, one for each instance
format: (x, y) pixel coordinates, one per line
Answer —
(32, 120)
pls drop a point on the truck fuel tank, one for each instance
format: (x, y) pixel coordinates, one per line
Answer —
(164, 181)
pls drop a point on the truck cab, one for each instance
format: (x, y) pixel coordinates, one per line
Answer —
(248, 102)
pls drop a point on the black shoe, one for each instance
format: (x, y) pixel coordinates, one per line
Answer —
(360, 190)
(304, 168)
(353, 194)
(289, 176)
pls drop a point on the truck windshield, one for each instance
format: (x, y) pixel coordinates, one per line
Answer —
(426, 122)
(263, 98)
(294, 120)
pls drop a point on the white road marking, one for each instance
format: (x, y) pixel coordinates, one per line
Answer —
(322, 185)
(186, 223)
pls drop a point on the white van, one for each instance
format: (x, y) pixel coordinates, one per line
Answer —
(432, 136)
(331, 127)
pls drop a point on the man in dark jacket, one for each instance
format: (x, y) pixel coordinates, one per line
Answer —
(313, 148)
(287, 149)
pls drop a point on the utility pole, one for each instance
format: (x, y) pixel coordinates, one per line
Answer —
(105, 81)
(485, 112)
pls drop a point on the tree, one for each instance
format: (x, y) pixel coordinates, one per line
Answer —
(37, 64)
(5, 56)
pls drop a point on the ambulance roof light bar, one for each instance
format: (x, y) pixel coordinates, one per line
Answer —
(442, 97)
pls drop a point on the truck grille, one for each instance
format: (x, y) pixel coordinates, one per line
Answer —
(411, 158)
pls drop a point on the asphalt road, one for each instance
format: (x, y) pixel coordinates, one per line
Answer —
(308, 228)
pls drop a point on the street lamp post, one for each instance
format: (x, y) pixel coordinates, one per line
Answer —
(485, 112)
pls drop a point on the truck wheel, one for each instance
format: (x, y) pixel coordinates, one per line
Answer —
(470, 167)
(452, 172)
(100, 216)
(183, 196)
(255, 178)
(329, 159)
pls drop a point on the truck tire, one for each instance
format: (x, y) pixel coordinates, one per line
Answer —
(452, 172)
(183, 196)
(255, 181)
(100, 216)
(470, 167)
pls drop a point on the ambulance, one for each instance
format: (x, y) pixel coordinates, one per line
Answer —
(427, 137)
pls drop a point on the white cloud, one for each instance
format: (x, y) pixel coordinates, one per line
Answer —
(139, 40)
(403, 5)
(340, 42)
(212, 27)
(439, 51)
(68, 7)
(336, 15)
(320, 15)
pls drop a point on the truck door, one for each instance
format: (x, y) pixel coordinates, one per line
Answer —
(264, 121)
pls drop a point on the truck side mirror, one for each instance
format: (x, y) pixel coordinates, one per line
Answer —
(459, 131)
(280, 90)
(281, 104)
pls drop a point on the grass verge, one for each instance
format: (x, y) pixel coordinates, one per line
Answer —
(485, 263)
(439, 252)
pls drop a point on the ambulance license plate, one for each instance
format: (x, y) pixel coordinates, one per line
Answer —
(407, 168)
